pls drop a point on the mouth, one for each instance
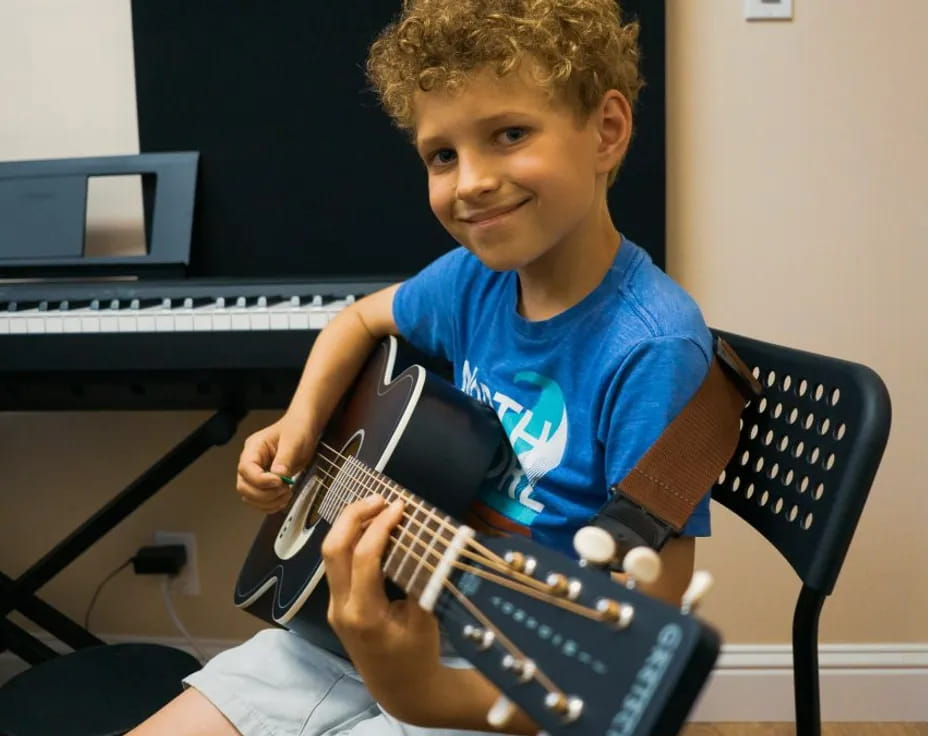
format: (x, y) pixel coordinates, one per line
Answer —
(492, 218)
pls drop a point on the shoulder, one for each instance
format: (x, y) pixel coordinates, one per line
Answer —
(652, 312)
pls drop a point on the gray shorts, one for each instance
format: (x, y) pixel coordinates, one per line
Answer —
(277, 684)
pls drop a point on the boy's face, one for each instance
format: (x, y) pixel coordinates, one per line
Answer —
(512, 175)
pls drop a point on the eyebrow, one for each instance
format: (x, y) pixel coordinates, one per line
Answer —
(487, 121)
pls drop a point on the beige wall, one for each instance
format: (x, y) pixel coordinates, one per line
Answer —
(796, 155)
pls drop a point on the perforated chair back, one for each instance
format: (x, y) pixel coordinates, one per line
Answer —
(808, 452)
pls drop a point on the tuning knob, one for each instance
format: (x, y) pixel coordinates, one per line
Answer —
(595, 545)
(700, 584)
(642, 563)
(501, 712)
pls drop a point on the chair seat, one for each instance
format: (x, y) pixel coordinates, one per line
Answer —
(101, 691)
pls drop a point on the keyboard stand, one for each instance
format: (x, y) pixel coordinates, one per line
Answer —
(20, 594)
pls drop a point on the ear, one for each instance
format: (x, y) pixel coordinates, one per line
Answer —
(613, 120)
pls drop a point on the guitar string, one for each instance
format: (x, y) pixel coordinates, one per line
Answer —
(535, 589)
(375, 476)
(503, 640)
(482, 554)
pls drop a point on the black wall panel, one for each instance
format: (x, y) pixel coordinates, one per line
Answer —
(301, 173)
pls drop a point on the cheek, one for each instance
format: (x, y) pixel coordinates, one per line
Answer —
(440, 199)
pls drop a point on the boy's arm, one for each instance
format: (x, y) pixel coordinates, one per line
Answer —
(338, 354)
(395, 644)
(335, 359)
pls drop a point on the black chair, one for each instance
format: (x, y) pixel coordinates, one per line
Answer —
(806, 459)
(98, 691)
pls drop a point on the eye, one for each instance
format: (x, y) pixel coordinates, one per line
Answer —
(513, 134)
(441, 157)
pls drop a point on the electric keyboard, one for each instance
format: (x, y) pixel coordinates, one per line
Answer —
(161, 344)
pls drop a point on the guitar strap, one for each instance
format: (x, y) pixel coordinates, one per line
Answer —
(655, 499)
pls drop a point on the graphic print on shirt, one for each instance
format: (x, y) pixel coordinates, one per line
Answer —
(537, 441)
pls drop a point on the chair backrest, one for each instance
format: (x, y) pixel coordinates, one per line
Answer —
(807, 454)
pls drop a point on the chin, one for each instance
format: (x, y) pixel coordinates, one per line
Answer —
(498, 258)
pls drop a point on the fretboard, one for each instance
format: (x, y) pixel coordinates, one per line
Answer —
(418, 542)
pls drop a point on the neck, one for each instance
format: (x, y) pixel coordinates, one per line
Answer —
(417, 542)
(568, 272)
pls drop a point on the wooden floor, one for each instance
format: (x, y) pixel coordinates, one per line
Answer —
(788, 729)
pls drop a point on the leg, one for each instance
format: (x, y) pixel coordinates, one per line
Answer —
(189, 714)
(275, 684)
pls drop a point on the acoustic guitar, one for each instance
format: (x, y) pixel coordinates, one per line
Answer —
(579, 652)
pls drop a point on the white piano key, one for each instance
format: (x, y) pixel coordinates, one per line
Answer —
(4, 325)
(146, 323)
(202, 322)
(54, 325)
(240, 322)
(164, 323)
(279, 321)
(183, 323)
(222, 321)
(35, 325)
(17, 326)
(260, 320)
(127, 323)
(298, 321)
(108, 323)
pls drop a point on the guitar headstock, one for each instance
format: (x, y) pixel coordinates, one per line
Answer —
(582, 654)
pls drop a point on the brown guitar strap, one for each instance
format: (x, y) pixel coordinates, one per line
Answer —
(655, 499)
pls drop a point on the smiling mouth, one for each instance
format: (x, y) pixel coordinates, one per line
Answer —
(497, 217)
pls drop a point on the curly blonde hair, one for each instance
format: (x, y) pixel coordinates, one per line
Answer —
(581, 48)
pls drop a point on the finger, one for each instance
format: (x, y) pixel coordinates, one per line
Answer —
(260, 494)
(257, 453)
(293, 453)
(338, 545)
(270, 506)
(367, 570)
(257, 476)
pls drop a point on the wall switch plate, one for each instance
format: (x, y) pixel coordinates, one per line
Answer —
(187, 581)
(768, 9)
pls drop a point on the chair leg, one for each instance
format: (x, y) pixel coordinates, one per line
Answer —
(805, 662)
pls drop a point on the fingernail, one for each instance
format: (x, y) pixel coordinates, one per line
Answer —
(374, 500)
(278, 469)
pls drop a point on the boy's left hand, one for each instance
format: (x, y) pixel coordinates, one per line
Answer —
(393, 644)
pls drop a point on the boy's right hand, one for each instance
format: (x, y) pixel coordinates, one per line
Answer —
(284, 447)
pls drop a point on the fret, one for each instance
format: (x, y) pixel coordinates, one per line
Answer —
(399, 545)
(435, 531)
(430, 539)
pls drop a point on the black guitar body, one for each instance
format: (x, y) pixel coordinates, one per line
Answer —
(398, 419)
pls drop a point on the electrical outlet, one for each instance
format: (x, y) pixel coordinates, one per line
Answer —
(768, 9)
(188, 580)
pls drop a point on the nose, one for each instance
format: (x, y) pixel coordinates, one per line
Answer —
(476, 177)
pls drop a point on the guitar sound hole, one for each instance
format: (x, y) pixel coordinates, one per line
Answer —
(328, 465)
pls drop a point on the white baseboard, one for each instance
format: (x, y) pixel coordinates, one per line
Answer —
(859, 682)
(751, 682)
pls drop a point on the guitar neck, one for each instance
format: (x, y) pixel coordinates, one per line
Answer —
(423, 545)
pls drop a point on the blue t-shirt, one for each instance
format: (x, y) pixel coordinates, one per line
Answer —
(581, 396)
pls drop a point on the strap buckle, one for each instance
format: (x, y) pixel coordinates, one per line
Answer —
(631, 525)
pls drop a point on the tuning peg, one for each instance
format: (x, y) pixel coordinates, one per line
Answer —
(700, 584)
(641, 564)
(594, 545)
(501, 712)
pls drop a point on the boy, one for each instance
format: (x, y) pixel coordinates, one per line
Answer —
(521, 111)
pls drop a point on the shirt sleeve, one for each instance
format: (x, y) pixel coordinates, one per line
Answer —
(651, 386)
(424, 307)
